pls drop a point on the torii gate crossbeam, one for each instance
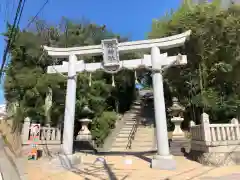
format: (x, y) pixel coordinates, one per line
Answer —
(162, 43)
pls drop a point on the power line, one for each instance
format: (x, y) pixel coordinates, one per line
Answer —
(12, 35)
(20, 16)
(18, 22)
(40, 10)
(20, 5)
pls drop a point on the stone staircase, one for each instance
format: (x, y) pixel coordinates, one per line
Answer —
(130, 120)
(144, 139)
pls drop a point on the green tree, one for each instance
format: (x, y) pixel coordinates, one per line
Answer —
(210, 80)
(26, 81)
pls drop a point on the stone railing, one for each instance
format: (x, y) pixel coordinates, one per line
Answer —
(215, 144)
(215, 134)
(48, 135)
(226, 132)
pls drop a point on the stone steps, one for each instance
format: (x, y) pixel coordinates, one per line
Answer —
(120, 145)
(126, 130)
(144, 137)
(141, 149)
(143, 140)
(123, 135)
(121, 140)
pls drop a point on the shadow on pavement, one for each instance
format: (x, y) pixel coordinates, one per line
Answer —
(92, 170)
(141, 155)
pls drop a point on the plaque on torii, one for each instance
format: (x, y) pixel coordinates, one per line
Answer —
(110, 50)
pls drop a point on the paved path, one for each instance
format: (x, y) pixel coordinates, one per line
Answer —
(7, 168)
(235, 176)
(116, 169)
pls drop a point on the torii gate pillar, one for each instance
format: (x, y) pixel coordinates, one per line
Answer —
(69, 114)
(163, 159)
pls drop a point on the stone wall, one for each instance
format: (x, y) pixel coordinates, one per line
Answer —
(13, 139)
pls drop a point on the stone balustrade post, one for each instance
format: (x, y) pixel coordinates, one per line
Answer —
(192, 123)
(205, 127)
(25, 130)
(234, 121)
(237, 128)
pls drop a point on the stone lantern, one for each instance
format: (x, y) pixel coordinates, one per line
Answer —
(84, 134)
(176, 111)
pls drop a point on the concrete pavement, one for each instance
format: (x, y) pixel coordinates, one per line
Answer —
(7, 168)
(119, 169)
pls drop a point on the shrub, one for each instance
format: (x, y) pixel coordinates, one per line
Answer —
(102, 126)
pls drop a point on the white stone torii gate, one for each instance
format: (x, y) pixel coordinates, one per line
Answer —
(156, 61)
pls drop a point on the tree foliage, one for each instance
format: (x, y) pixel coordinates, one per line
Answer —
(27, 84)
(210, 80)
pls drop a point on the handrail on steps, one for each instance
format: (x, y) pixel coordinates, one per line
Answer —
(132, 133)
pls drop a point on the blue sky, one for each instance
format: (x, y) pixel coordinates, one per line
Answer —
(131, 18)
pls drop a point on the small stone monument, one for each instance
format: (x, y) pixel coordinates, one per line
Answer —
(84, 138)
(84, 134)
(176, 111)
